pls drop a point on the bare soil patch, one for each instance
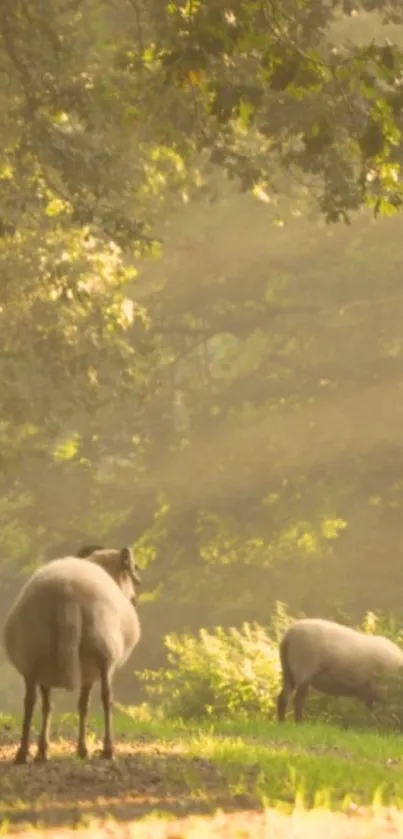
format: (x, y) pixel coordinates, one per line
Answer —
(144, 778)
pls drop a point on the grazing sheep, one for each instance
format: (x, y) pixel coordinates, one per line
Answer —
(336, 660)
(73, 622)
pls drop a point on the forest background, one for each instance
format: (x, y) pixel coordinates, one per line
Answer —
(201, 304)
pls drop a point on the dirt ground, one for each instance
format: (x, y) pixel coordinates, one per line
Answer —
(144, 779)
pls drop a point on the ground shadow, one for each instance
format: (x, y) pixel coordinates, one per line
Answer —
(145, 778)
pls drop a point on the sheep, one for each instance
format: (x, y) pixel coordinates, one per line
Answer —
(73, 622)
(335, 660)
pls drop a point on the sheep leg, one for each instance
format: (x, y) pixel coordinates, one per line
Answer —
(43, 741)
(288, 682)
(83, 703)
(369, 702)
(282, 701)
(29, 707)
(370, 696)
(106, 696)
(299, 699)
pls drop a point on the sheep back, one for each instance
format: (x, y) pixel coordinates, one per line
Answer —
(336, 658)
(67, 617)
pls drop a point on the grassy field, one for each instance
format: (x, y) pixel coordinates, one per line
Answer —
(243, 778)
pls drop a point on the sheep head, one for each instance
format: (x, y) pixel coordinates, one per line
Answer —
(120, 564)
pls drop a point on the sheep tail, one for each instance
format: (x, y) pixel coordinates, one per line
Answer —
(68, 640)
(288, 677)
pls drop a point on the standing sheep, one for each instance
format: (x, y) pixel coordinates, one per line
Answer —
(335, 660)
(73, 622)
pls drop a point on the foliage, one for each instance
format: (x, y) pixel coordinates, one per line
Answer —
(237, 672)
(272, 91)
(111, 108)
(224, 672)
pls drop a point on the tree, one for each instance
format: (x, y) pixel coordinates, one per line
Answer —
(173, 403)
(272, 91)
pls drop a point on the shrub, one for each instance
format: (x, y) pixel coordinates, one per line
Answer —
(234, 671)
(217, 673)
(237, 672)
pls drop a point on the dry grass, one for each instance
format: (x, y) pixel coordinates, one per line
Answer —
(269, 824)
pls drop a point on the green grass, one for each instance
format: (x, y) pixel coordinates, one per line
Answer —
(168, 767)
(283, 763)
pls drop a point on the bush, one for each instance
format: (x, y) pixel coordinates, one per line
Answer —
(237, 672)
(217, 673)
(234, 671)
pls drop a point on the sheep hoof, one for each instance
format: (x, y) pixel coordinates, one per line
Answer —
(21, 758)
(107, 753)
(41, 757)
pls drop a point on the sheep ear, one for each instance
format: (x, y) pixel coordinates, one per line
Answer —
(127, 563)
(126, 559)
(87, 550)
(136, 575)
